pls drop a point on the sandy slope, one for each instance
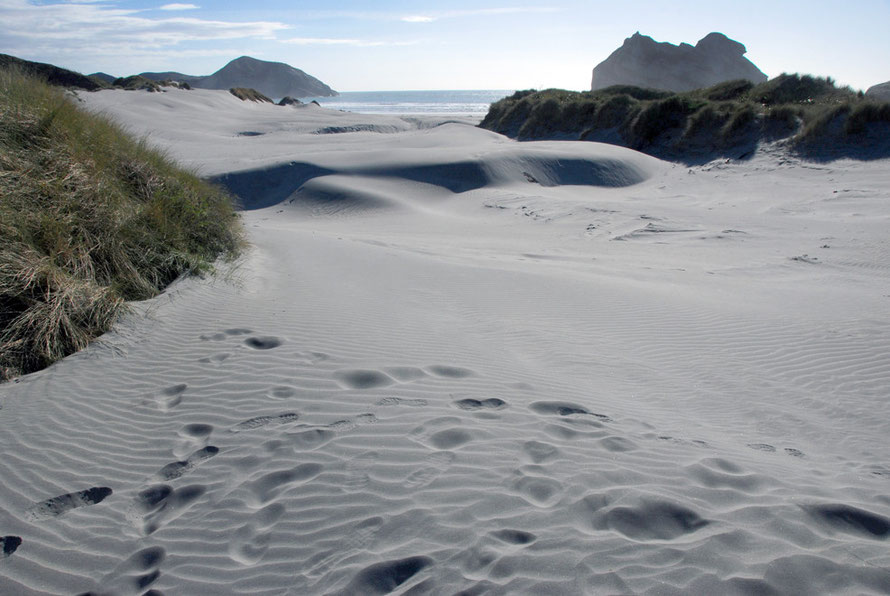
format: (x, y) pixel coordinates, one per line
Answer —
(452, 363)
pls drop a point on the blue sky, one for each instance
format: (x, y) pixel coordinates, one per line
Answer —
(481, 44)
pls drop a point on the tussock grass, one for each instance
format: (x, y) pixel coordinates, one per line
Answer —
(136, 83)
(810, 112)
(89, 219)
(247, 94)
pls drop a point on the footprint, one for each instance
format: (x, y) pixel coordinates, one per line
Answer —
(539, 452)
(358, 538)
(64, 503)
(263, 342)
(762, 447)
(192, 437)
(398, 401)
(363, 379)
(219, 336)
(269, 486)
(312, 438)
(385, 577)
(215, 359)
(677, 441)
(347, 424)
(537, 490)
(433, 466)
(453, 372)
(8, 545)
(251, 541)
(451, 438)
(652, 520)
(492, 403)
(618, 444)
(357, 476)
(425, 431)
(282, 392)
(237, 331)
(312, 357)
(212, 336)
(561, 408)
(168, 398)
(160, 504)
(136, 573)
(260, 421)
(177, 469)
(514, 536)
(793, 452)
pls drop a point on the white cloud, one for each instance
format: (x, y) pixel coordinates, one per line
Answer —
(80, 26)
(453, 14)
(418, 19)
(179, 7)
(324, 41)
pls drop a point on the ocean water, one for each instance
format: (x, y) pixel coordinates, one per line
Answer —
(456, 103)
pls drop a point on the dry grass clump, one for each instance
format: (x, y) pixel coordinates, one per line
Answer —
(246, 94)
(89, 219)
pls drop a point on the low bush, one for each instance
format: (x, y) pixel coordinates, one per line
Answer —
(866, 114)
(136, 83)
(729, 90)
(803, 109)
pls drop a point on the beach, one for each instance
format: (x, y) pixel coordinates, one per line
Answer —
(450, 362)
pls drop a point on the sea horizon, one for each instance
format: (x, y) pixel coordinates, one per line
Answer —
(430, 102)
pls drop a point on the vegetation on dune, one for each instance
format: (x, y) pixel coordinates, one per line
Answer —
(89, 219)
(246, 94)
(810, 112)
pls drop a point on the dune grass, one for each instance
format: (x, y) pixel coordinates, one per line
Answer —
(808, 111)
(89, 219)
(247, 94)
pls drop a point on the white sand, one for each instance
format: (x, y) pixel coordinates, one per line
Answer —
(630, 377)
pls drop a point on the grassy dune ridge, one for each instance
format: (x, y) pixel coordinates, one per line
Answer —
(89, 219)
(810, 112)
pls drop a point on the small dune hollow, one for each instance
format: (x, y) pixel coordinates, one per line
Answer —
(654, 520)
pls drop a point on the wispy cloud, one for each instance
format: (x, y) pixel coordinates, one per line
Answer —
(325, 41)
(418, 19)
(180, 7)
(80, 26)
(452, 14)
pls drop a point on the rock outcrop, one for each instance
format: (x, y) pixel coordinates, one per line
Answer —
(879, 92)
(644, 62)
(274, 79)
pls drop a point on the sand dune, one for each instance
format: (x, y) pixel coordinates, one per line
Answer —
(454, 363)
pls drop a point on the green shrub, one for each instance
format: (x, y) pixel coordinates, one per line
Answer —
(713, 119)
(865, 114)
(795, 88)
(728, 90)
(706, 122)
(89, 219)
(136, 83)
(825, 124)
(661, 116)
(617, 111)
(741, 120)
(638, 93)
